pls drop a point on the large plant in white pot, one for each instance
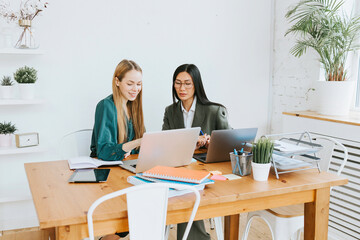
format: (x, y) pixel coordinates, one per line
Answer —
(26, 78)
(262, 153)
(6, 131)
(319, 25)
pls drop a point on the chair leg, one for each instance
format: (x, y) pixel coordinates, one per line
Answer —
(167, 230)
(212, 224)
(218, 228)
(248, 225)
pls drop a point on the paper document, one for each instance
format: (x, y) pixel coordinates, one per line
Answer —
(288, 148)
(285, 163)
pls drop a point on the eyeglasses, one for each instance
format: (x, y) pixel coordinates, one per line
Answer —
(186, 84)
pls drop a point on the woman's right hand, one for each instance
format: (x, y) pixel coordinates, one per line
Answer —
(202, 141)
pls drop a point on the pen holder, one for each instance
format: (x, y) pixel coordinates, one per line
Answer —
(241, 165)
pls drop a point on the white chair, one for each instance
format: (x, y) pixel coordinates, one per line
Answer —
(288, 222)
(76, 144)
(144, 202)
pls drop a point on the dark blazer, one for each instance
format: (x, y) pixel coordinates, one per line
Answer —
(208, 117)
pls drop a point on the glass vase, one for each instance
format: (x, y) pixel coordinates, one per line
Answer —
(27, 38)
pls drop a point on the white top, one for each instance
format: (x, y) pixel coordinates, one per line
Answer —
(189, 115)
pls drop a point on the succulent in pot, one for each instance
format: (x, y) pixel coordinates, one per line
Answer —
(6, 87)
(262, 153)
(6, 131)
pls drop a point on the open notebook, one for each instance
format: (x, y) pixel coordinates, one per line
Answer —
(88, 162)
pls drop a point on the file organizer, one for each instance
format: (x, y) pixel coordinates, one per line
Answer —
(294, 152)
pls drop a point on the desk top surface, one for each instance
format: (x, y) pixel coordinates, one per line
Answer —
(61, 203)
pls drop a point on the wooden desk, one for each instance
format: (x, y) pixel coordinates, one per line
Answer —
(63, 206)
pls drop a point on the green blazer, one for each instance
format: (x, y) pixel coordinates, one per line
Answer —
(104, 143)
(208, 117)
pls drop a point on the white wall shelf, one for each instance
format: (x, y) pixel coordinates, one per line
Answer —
(21, 51)
(15, 150)
(10, 102)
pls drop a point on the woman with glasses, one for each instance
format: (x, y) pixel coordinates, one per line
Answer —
(192, 108)
(119, 121)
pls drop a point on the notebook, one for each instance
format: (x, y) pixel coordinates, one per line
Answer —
(135, 180)
(177, 174)
(159, 180)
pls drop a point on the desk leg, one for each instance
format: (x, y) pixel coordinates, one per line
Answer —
(69, 233)
(317, 216)
(232, 227)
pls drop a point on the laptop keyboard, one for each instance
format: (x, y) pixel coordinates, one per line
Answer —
(201, 157)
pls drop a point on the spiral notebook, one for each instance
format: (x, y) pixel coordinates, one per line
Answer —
(177, 174)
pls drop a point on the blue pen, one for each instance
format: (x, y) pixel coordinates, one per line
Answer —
(201, 132)
(237, 165)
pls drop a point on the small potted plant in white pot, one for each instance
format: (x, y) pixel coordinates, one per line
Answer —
(6, 87)
(6, 131)
(26, 78)
(319, 25)
(262, 154)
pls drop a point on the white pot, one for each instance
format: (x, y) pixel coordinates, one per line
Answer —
(5, 140)
(334, 97)
(6, 92)
(260, 171)
(27, 90)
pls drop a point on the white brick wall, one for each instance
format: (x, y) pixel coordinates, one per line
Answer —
(292, 77)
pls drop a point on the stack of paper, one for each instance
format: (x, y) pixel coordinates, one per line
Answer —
(284, 148)
(181, 176)
(285, 163)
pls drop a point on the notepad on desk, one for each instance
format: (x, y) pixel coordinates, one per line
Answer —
(88, 162)
(177, 174)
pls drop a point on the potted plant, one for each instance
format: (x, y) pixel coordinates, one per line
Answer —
(6, 87)
(319, 25)
(262, 154)
(26, 78)
(6, 131)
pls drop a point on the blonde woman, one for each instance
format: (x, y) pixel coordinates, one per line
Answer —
(119, 121)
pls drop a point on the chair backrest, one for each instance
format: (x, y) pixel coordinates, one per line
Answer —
(76, 144)
(147, 208)
(326, 154)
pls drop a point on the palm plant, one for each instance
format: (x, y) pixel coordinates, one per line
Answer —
(320, 26)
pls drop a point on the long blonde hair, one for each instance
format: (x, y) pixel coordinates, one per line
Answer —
(134, 107)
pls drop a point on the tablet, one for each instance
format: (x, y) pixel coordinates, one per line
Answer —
(89, 176)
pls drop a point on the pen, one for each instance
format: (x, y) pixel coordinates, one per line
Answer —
(237, 162)
(201, 132)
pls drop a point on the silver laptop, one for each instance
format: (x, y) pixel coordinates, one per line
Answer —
(171, 148)
(222, 142)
